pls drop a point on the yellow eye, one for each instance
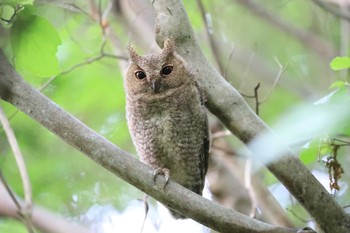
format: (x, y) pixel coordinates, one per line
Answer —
(140, 74)
(167, 70)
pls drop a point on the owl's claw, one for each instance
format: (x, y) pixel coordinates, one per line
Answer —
(161, 171)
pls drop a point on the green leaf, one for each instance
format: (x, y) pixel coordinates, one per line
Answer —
(34, 42)
(340, 63)
(6, 12)
(313, 149)
(308, 154)
(337, 84)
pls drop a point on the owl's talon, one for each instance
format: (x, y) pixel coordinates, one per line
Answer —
(161, 171)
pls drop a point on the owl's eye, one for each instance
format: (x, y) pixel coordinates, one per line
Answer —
(167, 70)
(140, 74)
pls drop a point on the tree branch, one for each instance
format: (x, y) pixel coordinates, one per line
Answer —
(16, 91)
(42, 219)
(212, 42)
(333, 10)
(233, 111)
(25, 209)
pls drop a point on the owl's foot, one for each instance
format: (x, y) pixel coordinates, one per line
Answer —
(161, 171)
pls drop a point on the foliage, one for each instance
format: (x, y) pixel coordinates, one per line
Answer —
(327, 146)
(39, 56)
(340, 63)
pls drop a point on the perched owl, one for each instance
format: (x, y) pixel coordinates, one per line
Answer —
(166, 116)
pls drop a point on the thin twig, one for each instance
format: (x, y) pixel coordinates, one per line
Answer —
(248, 185)
(102, 20)
(245, 72)
(344, 143)
(99, 14)
(209, 30)
(228, 62)
(16, 9)
(247, 96)
(19, 159)
(220, 134)
(86, 62)
(224, 149)
(256, 95)
(24, 211)
(9, 191)
(278, 77)
(104, 15)
(72, 8)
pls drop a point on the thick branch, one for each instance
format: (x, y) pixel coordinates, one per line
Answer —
(228, 105)
(17, 92)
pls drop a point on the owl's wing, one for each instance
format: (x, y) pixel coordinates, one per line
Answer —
(201, 93)
(204, 155)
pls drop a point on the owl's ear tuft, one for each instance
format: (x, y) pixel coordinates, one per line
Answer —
(133, 55)
(169, 47)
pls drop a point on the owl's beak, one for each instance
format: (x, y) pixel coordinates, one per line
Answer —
(155, 85)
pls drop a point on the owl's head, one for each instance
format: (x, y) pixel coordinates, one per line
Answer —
(158, 73)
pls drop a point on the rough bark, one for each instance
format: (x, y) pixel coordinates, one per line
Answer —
(227, 104)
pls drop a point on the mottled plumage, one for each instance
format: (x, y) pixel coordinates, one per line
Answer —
(166, 116)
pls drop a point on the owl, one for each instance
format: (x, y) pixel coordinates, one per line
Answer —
(167, 118)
